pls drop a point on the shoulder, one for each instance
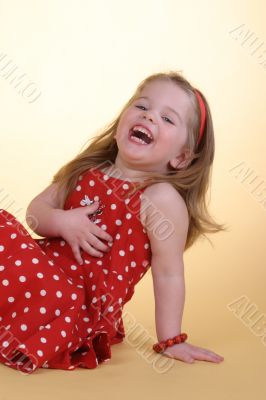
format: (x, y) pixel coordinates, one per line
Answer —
(163, 197)
(164, 216)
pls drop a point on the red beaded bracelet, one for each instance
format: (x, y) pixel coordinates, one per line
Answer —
(161, 346)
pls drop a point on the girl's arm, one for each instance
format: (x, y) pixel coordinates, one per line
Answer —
(43, 213)
(164, 208)
(45, 218)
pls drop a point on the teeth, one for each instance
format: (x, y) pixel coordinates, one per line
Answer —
(136, 139)
(140, 128)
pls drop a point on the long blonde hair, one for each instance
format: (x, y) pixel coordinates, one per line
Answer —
(192, 182)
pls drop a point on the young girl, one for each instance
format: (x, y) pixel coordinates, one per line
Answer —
(134, 199)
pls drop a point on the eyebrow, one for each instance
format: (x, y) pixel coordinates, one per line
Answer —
(169, 108)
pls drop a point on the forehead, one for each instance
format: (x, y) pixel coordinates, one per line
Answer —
(167, 94)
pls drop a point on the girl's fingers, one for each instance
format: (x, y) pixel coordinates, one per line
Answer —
(203, 354)
(91, 250)
(97, 231)
(96, 243)
(209, 352)
(77, 255)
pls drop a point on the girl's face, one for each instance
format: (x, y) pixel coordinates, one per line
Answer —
(159, 119)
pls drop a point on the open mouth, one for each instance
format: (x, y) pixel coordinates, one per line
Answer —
(140, 135)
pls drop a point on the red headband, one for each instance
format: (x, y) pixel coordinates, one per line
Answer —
(202, 115)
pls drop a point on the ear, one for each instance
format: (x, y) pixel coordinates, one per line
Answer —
(181, 161)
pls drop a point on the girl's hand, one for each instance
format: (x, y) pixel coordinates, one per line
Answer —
(188, 353)
(76, 228)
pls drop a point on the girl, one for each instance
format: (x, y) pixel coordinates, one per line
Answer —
(134, 199)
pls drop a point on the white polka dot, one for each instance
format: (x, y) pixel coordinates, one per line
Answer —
(56, 254)
(22, 346)
(11, 299)
(129, 231)
(96, 198)
(43, 292)
(40, 275)
(131, 247)
(26, 309)
(105, 271)
(40, 353)
(28, 295)
(56, 277)
(126, 268)
(74, 267)
(13, 236)
(105, 177)
(58, 294)
(113, 206)
(5, 282)
(91, 274)
(133, 264)
(42, 310)
(93, 287)
(125, 186)
(109, 191)
(111, 308)
(48, 326)
(35, 261)
(2, 268)
(68, 319)
(128, 216)
(120, 300)
(18, 263)
(127, 201)
(118, 222)
(86, 319)
(62, 243)
(69, 345)
(43, 340)
(5, 343)
(104, 227)
(63, 333)
(117, 236)
(74, 296)
(24, 246)
(78, 188)
(23, 327)
(146, 245)
(121, 253)
(89, 330)
(57, 312)
(120, 277)
(56, 348)
(50, 262)
(14, 314)
(94, 300)
(91, 183)
(22, 278)
(99, 262)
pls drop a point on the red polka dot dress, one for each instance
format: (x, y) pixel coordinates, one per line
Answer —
(55, 313)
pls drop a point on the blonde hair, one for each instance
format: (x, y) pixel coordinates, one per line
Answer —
(191, 182)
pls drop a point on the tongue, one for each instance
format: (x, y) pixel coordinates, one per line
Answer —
(141, 135)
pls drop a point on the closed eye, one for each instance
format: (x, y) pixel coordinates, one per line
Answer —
(166, 118)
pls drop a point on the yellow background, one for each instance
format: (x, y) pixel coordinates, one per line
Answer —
(86, 58)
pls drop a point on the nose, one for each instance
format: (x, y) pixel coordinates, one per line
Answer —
(148, 115)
